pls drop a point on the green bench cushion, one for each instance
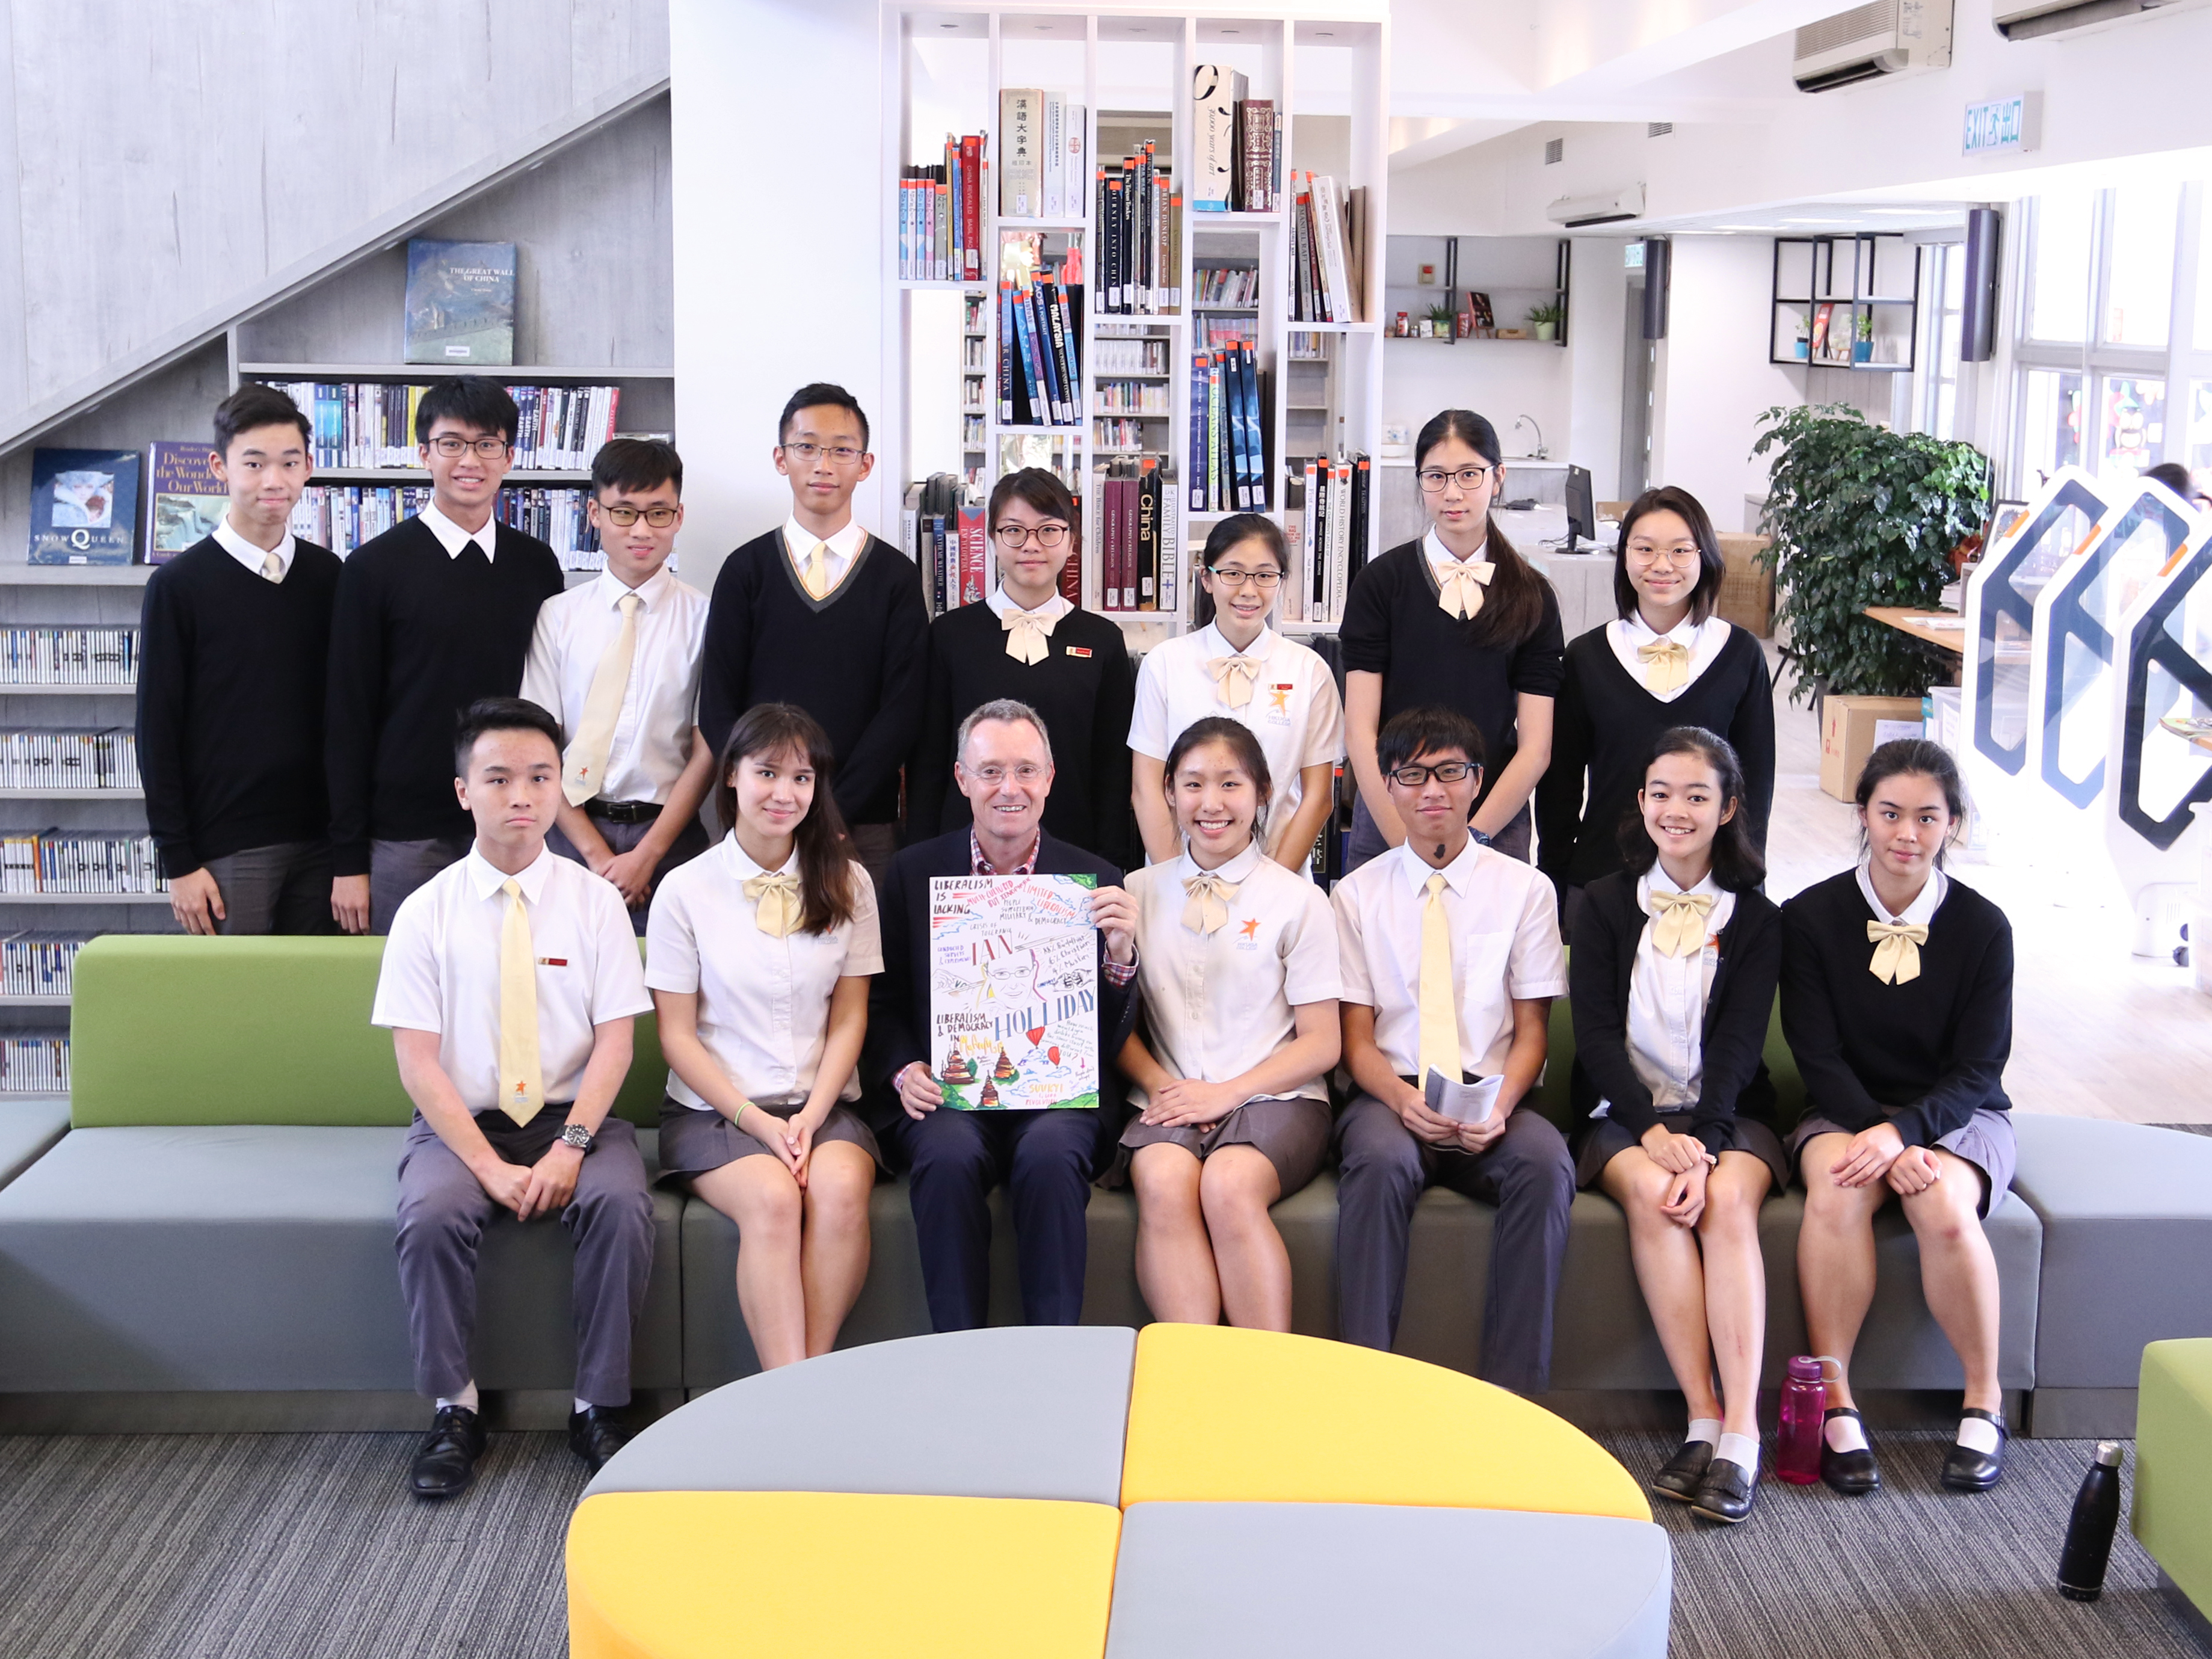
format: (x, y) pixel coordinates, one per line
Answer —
(2172, 1509)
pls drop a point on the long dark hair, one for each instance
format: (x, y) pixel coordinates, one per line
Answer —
(1226, 537)
(1513, 603)
(825, 885)
(1737, 865)
(1667, 498)
(1220, 728)
(1931, 760)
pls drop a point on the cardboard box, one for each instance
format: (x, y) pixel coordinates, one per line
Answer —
(1748, 587)
(1851, 728)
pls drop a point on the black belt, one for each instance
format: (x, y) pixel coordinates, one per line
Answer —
(623, 811)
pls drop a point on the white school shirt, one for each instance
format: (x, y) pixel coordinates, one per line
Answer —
(250, 556)
(1505, 926)
(1217, 1004)
(1667, 997)
(441, 969)
(453, 538)
(1625, 634)
(1048, 613)
(1921, 910)
(763, 1002)
(1295, 711)
(844, 547)
(1442, 558)
(660, 704)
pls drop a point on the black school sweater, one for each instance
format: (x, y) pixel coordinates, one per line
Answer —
(416, 636)
(232, 668)
(1925, 1053)
(853, 660)
(1393, 626)
(1084, 690)
(1603, 729)
(1737, 1010)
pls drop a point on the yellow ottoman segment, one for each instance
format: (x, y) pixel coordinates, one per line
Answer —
(729, 1575)
(1220, 1415)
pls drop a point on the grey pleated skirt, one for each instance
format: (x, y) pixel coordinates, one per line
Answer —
(694, 1141)
(1291, 1133)
(1600, 1139)
(1986, 1142)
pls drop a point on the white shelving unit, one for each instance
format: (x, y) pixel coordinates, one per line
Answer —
(945, 67)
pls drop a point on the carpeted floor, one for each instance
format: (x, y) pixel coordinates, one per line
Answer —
(307, 1546)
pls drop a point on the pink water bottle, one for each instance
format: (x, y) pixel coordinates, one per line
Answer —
(1804, 1417)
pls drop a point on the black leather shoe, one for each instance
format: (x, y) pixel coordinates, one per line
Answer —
(596, 1435)
(1965, 1469)
(1679, 1475)
(1854, 1474)
(1726, 1492)
(445, 1461)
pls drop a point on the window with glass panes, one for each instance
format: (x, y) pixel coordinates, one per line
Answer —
(1947, 283)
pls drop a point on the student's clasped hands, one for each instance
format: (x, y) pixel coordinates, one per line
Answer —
(1880, 1153)
(533, 1189)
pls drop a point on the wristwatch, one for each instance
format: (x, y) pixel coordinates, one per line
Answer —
(578, 1136)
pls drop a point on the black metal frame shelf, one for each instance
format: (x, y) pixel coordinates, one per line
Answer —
(1854, 302)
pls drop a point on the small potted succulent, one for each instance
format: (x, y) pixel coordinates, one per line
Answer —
(1546, 320)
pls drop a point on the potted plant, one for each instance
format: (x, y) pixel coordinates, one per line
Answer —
(1863, 346)
(1858, 515)
(1442, 322)
(1546, 320)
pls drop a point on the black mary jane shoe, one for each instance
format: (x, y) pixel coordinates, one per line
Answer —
(1679, 1475)
(1726, 1492)
(445, 1461)
(1853, 1473)
(596, 1435)
(1965, 1469)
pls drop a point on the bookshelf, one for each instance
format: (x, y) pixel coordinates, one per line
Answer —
(1132, 75)
(1864, 287)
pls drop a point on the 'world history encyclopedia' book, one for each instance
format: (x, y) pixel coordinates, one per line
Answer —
(461, 302)
(184, 500)
(84, 506)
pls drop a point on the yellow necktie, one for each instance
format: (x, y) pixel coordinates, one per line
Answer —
(1026, 634)
(1679, 929)
(521, 1078)
(272, 567)
(1459, 586)
(1208, 909)
(1666, 665)
(776, 903)
(585, 771)
(818, 570)
(1896, 950)
(1234, 679)
(1439, 1039)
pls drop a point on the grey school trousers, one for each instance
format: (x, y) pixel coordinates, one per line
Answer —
(281, 889)
(443, 1211)
(1527, 1173)
(396, 868)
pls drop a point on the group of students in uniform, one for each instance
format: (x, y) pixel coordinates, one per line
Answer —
(296, 712)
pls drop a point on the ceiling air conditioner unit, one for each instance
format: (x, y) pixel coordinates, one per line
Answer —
(1889, 37)
(1626, 202)
(2030, 19)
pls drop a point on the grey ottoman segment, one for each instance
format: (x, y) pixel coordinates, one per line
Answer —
(1321, 1581)
(1036, 1412)
(28, 1128)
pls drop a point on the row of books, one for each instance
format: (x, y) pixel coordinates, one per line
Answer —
(1239, 144)
(371, 423)
(941, 215)
(1215, 333)
(1042, 154)
(1226, 285)
(34, 1063)
(52, 862)
(1120, 355)
(1135, 534)
(1228, 436)
(1139, 221)
(1329, 242)
(1123, 436)
(1041, 353)
(946, 537)
(1130, 398)
(38, 964)
(341, 517)
(69, 759)
(1325, 535)
(68, 656)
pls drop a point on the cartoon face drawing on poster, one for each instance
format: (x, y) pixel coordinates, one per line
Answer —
(1009, 979)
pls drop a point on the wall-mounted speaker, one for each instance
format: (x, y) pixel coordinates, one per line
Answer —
(1978, 319)
(1658, 274)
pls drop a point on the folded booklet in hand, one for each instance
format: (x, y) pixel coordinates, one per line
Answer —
(1463, 1102)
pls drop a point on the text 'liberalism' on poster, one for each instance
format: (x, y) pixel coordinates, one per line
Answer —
(1013, 992)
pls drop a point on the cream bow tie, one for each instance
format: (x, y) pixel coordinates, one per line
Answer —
(775, 899)
(1896, 950)
(1459, 586)
(1679, 929)
(1233, 680)
(1666, 665)
(1026, 634)
(1208, 909)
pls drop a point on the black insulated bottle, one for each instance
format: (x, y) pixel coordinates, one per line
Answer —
(2089, 1534)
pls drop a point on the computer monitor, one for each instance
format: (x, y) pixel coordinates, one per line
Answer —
(1582, 512)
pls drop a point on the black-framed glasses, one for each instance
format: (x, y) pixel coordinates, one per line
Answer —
(1467, 477)
(1050, 537)
(842, 454)
(452, 448)
(1265, 580)
(1416, 777)
(623, 517)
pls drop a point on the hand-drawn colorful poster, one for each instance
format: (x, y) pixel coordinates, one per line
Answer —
(1013, 992)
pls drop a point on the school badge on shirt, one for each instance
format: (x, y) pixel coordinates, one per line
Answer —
(1248, 934)
(1279, 704)
(1079, 650)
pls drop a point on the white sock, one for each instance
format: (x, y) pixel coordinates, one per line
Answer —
(582, 1404)
(467, 1397)
(1707, 1429)
(1740, 1449)
(1845, 1434)
(1978, 1433)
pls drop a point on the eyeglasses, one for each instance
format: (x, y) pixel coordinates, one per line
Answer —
(1651, 553)
(996, 775)
(453, 447)
(1415, 777)
(1467, 477)
(623, 517)
(806, 454)
(1049, 536)
(1265, 580)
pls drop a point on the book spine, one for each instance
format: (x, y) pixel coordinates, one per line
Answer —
(1259, 429)
(972, 552)
(1194, 476)
(1328, 210)
(1170, 546)
(1037, 413)
(974, 169)
(1055, 403)
(1319, 562)
(1148, 535)
(1052, 157)
(1109, 217)
(1362, 493)
(1063, 369)
(1217, 496)
(1006, 347)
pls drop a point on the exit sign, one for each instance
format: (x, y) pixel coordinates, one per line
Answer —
(2003, 126)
